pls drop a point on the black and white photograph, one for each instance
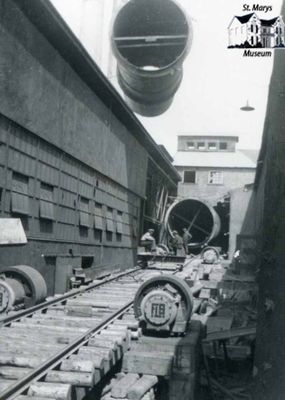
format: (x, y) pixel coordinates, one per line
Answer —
(142, 200)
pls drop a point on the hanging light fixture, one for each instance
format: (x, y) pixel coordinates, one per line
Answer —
(247, 107)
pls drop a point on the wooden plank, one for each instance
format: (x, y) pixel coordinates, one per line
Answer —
(121, 387)
(4, 384)
(205, 294)
(7, 358)
(85, 379)
(7, 372)
(80, 364)
(154, 363)
(215, 324)
(229, 334)
(46, 389)
(141, 387)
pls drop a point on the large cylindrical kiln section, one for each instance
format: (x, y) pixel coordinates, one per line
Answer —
(150, 40)
(197, 216)
(21, 286)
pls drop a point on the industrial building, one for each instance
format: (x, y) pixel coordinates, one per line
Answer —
(86, 180)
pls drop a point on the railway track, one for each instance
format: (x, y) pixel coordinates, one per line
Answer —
(70, 342)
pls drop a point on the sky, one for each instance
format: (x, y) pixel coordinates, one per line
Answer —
(216, 81)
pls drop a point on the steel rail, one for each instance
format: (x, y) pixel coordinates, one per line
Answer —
(72, 293)
(23, 384)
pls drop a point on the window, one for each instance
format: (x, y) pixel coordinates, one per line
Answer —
(84, 212)
(223, 146)
(212, 146)
(109, 220)
(256, 29)
(251, 28)
(109, 236)
(135, 227)
(20, 198)
(190, 145)
(201, 145)
(251, 40)
(98, 217)
(189, 177)
(46, 201)
(119, 224)
(87, 262)
(215, 178)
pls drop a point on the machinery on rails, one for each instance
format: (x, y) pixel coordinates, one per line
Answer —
(21, 286)
(53, 340)
(72, 342)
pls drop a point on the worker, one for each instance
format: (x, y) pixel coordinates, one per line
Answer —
(176, 244)
(148, 241)
(186, 239)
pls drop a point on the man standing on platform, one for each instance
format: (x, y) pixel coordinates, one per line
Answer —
(176, 244)
(186, 240)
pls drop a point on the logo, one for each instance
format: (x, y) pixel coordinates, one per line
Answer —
(250, 31)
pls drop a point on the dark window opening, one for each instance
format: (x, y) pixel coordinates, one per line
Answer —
(119, 224)
(201, 145)
(189, 176)
(84, 212)
(109, 221)
(135, 227)
(118, 237)
(98, 235)
(98, 217)
(87, 262)
(109, 236)
(46, 201)
(190, 145)
(50, 261)
(83, 231)
(19, 195)
(223, 146)
(212, 145)
(46, 226)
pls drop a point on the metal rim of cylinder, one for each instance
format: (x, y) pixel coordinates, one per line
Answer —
(150, 92)
(216, 223)
(155, 282)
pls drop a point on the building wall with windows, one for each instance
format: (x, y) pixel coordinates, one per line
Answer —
(73, 158)
(211, 166)
(212, 183)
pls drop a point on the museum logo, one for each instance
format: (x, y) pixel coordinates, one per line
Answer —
(250, 32)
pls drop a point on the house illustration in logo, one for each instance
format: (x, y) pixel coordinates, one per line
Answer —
(249, 31)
